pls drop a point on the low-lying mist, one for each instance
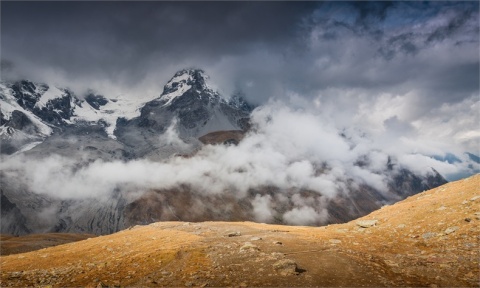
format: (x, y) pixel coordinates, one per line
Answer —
(292, 149)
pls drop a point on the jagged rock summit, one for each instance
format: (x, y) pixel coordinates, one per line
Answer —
(188, 104)
(185, 80)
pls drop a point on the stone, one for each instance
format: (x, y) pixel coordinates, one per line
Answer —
(249, 246)
(477, 215)
(475, 198)
(286, 267)
(335, 241)
(450, 230)
(233, 234)
(367, 223)
(15, 275)
(401, 226)
(277, 243)
(429, 235)
(255, 238)
(101, 285)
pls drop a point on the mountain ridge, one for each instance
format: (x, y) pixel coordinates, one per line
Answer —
(51, 110)
(169, 131)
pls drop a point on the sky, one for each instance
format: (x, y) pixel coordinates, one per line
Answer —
(336, 82)
(403, 71)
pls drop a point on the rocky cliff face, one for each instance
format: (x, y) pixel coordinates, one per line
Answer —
(13, 220)
(190, 105)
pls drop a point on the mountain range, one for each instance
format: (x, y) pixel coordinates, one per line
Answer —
(40, 122)
(33, 113)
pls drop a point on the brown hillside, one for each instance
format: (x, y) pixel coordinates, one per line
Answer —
(20, 244)
(431, 239)
(221, 137)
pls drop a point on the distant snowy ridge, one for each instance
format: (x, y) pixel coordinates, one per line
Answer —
(40, 110)
(9, 104)
(44, 102)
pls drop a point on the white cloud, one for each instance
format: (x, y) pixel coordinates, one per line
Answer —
(291, 149)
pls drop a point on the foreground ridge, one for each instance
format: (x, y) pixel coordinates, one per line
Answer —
(428, 239)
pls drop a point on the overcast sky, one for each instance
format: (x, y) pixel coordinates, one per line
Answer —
(408, 68)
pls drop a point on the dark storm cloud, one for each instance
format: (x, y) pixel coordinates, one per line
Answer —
(354, 59)
(455, 24)
(117, 38)
(261, 47)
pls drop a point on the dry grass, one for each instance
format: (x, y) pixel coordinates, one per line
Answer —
(14, 245)
(407, 247)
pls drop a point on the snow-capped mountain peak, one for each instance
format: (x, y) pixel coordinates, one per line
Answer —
(32, 112)
(185, 80)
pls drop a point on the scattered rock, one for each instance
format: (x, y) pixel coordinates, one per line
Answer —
(475, 198)
(233, 234)
(286, 267)
(249, 246)
(429, 235)
(14, 275)
(391, 263)
(450, 230)
(367, 223)
(468, 219)
(101, 285)
(470, 275)
(477, 215)
(255, 238)
(277, 243)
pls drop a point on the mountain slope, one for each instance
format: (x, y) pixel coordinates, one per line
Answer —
(46, 109)
(41, 122)
(63, 177)
(187, 105)
(428, 239)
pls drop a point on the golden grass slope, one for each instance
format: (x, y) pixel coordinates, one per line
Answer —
(431, 239)
(13, 245)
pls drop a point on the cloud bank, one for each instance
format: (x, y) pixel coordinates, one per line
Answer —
(411, 65)
(291, 149)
